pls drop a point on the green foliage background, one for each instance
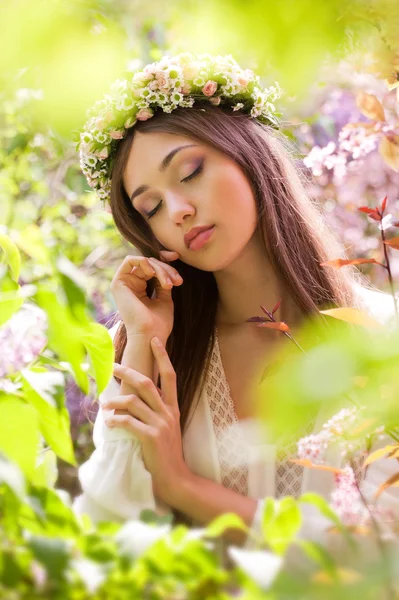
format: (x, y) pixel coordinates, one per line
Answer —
(59, 250)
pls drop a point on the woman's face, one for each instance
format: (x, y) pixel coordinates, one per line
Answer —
(196, 186)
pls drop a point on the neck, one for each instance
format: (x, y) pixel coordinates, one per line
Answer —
(245, 284)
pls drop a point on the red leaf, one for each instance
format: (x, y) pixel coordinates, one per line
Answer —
(376, 216)
(366, 209)
(257, 320)
(373, 213)
(266, 311)
(275, 309)
(281, 326)
(340, 262)
(384, 205)
(393, 243)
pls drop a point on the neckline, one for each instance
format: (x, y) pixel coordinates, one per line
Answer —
(224, 378)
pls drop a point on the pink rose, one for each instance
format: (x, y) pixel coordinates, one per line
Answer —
(161, 80)
(186, 89)
(104, 152)
(153, 85)
(117, 134)
(210, 88)
(148, 71)
(144, 114)
(215, 101)
(243, 81)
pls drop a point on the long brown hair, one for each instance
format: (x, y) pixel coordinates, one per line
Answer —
(294, 234)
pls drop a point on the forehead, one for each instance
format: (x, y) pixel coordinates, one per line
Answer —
(147, 152)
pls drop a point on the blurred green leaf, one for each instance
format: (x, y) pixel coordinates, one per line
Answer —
(68, 347)
(99, 345)
(46, 513)
(46, 472)
(281, 525)
(325, 509)
(223, 523)
(12, 476)
(10, 302)
(73, 282)
(52, 553)
(12, 255)
(19, 432)
(319, 555)
(31, 241)
(45, 392)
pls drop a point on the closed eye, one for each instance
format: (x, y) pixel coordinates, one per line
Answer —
(188, 178)
(195, 173)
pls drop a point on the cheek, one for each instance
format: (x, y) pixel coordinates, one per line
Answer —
(233, 193)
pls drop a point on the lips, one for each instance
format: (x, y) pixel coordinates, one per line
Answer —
(201, 239)
(194, 232)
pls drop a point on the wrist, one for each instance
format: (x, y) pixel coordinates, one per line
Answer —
(181, 491)
(142, 338)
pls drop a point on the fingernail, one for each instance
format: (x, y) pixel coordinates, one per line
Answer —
(157, 341)
(116, 366)
(168, 280)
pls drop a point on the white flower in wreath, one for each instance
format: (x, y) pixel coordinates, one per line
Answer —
(86, 137)
(125, 102)
(91, 161)
(101, 138)
(199, 82)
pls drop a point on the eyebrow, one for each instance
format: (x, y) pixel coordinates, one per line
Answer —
(164, 165)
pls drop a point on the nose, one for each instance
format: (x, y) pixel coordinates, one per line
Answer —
(179, 208)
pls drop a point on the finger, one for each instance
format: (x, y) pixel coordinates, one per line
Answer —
(161, 274)
(172, 273)
(166, 371)
(128, 263)
(129, 423)
(133, 405)
(147, 267)
(143, 386)
(137, 266)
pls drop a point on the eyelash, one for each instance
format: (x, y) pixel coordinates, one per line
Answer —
(193, 174)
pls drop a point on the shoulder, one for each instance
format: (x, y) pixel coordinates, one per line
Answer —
(378, 304)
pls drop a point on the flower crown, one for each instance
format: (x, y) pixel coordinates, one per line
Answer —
(172, 82)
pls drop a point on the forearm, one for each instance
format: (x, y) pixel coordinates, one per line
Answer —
(204, 500)
(138, 356)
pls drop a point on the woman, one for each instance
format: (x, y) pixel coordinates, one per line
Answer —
(208, 194)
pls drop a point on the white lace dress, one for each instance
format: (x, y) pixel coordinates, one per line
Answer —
(217, 446)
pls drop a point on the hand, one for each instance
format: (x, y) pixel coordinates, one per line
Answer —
(153, 415)
(139, 313)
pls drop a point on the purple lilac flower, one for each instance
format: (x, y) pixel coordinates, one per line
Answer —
(348, 170)
(346, 499)
(314, 447)
(22, 338)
